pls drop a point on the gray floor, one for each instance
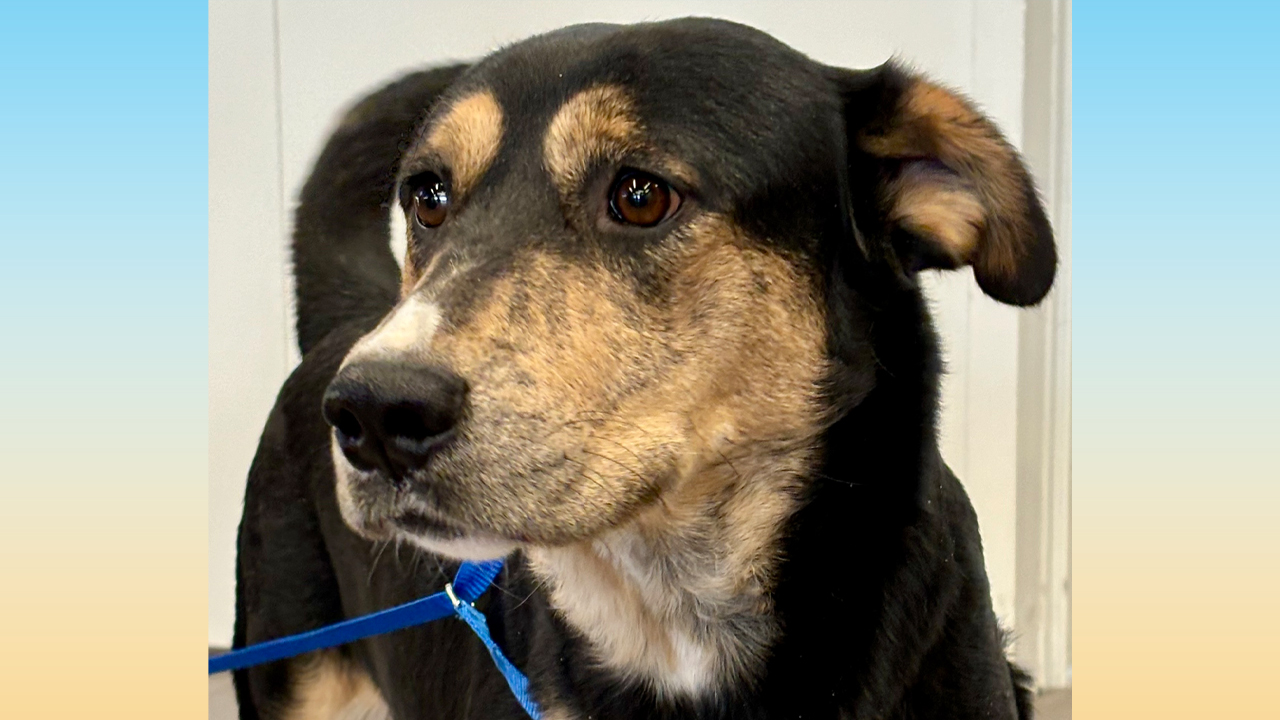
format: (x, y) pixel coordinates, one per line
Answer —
(222, 699)
(1051, 705)
(1054, 705)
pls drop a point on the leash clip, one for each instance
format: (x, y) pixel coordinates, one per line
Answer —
(448, 590)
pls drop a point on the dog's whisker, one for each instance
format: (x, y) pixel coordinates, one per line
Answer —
(380, 547)
(538, 586)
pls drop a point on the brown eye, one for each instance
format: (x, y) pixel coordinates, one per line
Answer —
(430, 200)
(641, 199)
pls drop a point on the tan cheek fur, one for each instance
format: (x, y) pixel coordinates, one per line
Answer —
(737, 415)
(633, 392)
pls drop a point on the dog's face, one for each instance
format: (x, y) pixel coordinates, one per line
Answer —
(617, 296)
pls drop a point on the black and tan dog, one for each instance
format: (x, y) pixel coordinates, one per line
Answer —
(659, 339)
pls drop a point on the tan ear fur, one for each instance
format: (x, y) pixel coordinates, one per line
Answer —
(954, 183)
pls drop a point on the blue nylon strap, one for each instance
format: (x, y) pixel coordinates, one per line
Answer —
(516, 680)
(474, 578)
(432, 607)
(470, 583)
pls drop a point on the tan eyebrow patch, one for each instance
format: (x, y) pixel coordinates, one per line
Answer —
(599, 122)
(467, 137)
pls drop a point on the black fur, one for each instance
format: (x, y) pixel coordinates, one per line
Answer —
(882, 597)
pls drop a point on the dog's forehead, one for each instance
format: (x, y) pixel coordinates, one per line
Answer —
(712, 93)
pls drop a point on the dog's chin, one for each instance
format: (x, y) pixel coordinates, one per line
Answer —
(385, 522)
(445, 538)
(476, 548)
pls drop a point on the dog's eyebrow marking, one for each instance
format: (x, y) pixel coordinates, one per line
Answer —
(467, 137)
(599, 122)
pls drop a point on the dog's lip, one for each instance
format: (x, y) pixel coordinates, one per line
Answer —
(420, 523)
(425, 525)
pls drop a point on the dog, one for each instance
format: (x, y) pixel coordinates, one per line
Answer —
(658, 340)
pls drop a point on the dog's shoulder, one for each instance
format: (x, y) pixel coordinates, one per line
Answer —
(964, 665)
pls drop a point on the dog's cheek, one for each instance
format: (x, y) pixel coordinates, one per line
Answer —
(753, 336)
(551, 356)
(553, 488)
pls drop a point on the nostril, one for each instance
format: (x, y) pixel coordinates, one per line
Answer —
(348, 424)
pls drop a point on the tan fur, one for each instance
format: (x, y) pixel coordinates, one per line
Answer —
(557, 712)
(329, 688)
(467, 136)
(598, 122)
(678, 595)
(601, 123)
(934, 122)
(409, 275)
(638, 394)
(645, 441)
(952, 215)
(647, 451)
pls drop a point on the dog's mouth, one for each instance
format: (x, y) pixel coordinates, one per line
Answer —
(378, 508)
(412, 522)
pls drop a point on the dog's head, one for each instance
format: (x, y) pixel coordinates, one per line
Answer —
(617, 298)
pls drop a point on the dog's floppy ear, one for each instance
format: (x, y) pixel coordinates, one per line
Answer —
(942, 185)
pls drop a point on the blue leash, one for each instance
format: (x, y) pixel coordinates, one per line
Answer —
(472, 580)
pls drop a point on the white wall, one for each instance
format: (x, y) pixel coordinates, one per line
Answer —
(250, 338)
(281, 73)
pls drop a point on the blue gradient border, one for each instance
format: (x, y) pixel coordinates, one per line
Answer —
(103, 362)
(1176, 341)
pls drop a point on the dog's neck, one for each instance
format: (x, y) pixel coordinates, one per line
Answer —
(680, 597)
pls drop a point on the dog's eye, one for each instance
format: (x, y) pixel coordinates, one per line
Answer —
(430, 199)
(638, 198)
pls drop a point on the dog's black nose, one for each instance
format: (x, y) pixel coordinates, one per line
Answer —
(392, 417)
